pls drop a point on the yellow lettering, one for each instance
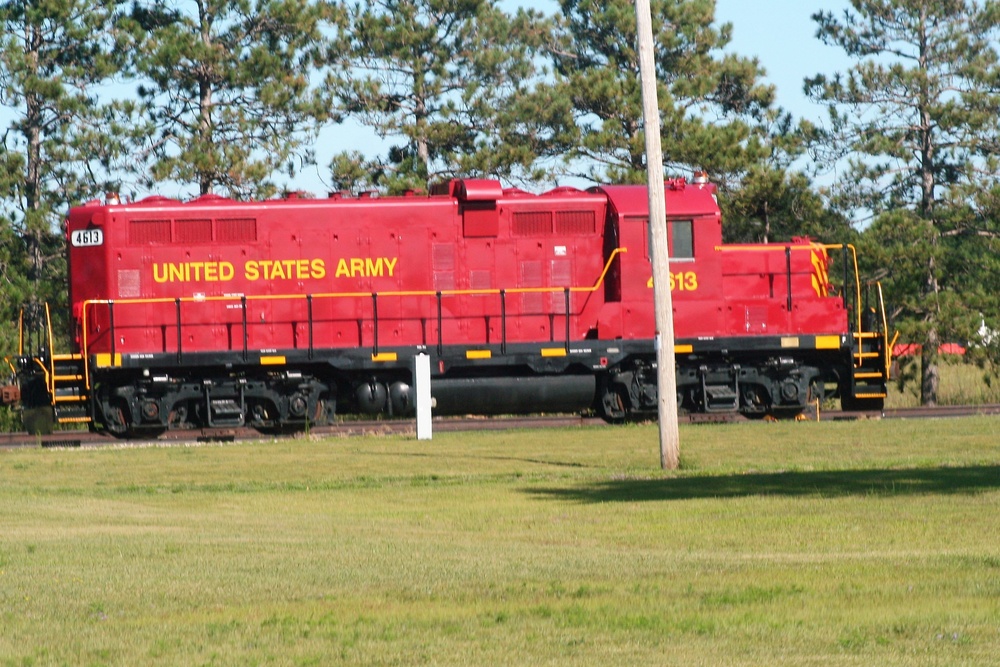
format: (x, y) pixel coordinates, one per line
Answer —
(342, 269)
(197, 272)
(390, 263)
(683, 281)
(373, 267)
(357, 266)
(251, 271)
(318, 269)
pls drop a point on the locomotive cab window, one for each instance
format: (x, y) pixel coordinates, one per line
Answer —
(680, 239)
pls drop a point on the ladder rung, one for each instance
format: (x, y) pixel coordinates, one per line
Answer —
(878, 395)
(868, 375)
(67, 357)
(866, 355)
(67, 378)
(70, 399)
(73, 420)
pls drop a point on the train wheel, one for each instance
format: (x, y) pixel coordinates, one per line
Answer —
(116, 418)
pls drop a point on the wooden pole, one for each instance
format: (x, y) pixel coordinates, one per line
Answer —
(666, 379)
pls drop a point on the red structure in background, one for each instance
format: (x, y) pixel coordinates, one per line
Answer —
(914, 349)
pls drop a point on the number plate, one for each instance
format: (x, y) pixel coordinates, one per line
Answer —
(86, 237)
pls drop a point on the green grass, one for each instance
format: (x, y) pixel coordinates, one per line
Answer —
(845, 543)
(960, 383)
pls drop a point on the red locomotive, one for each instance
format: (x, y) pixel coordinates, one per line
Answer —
(283, 313)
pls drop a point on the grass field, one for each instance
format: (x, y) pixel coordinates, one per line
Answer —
(961, 384)
(834, 543)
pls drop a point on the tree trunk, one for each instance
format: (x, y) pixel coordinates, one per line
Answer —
(33, 161)
(928, 157)
(929, 370)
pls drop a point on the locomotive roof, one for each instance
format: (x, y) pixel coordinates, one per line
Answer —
(683, 198)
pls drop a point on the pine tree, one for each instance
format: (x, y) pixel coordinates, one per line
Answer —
(449, 83)
(226, 84)
(774, 202)
(63, 143)
(915, 121)
(710, 102)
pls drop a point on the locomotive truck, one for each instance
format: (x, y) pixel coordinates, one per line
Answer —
(283, 313)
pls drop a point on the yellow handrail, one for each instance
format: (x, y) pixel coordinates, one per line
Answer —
(84, 347)
(51, 379)
(885, 329)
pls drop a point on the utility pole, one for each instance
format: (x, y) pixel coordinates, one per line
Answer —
(666, 379)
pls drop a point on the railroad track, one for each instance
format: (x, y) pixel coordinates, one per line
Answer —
(341, 429)
(448, 424)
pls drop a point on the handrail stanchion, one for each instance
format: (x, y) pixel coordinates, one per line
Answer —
(375, 321)
(788, 275)
(180, 333)
(309, 308)
(440, 319)
(503, 321)
(566, 297)
(246, 334)
(111, 327)
(843, 250)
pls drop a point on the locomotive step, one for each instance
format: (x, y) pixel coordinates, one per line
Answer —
(71, 414)
(226, 412)
(871, 395)
(866, 375)
(721, 398)
(73, 420)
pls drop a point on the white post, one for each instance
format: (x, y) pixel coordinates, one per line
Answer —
(422, 386)
(670, 447)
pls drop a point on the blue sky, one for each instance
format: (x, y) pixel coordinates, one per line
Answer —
(782, 35)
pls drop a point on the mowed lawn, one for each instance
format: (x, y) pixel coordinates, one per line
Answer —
(841, 543)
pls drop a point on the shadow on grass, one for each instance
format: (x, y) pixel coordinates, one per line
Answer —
(949, 480)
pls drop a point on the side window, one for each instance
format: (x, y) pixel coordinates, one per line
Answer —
(680, 236)
(681, 239)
